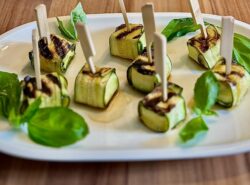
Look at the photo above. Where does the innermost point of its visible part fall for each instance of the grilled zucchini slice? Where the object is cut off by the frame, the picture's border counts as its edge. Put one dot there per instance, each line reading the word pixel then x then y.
pixel 205 52
pixel 127 44
pixel 234 86
pixel 141 74
pixel 160 116
pixel 55 56
pixel 53 93
pixel 96 90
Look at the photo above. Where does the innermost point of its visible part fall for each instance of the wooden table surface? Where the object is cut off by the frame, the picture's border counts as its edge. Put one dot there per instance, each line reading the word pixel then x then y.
pixel 233 170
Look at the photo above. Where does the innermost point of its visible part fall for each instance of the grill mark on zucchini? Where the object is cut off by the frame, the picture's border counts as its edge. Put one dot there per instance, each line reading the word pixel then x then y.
pixel 145 53
pixel 204 43
pixel 137 36
pixel 61 46
pixel 120 27
pixel 140 66
pixel 54 79
pixel 125 33
pixel 44 49
pixel 151 103
pixel 236 73
pixel 30 87
pixel 46 89
pixel 99 73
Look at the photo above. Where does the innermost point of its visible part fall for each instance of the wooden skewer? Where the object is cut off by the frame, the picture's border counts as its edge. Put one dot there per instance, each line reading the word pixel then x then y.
pixel 160 51
pixel 149 26
pixel 42 21
pixel 197 16
pixel 227 41
pixel 124 14
pixel 87 44
pixel 35 39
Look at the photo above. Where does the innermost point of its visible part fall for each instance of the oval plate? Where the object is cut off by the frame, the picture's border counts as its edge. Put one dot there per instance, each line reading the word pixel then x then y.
pixel 116 134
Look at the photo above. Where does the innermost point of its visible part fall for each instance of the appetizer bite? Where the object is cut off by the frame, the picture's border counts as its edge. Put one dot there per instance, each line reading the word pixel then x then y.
pixel 233 86
pixel 141 74
pixel 96 89
pixel 93 86
pixel 55 56
pixel 159 115
pixel 205 47
pixel 127 44
pixel 234 80
pixel 128 40
pixel 164 107
pixel 205 51
pixel 56 53
pixel 52 93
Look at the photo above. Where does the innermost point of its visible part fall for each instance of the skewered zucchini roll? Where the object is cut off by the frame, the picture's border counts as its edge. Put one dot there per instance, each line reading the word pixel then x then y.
pixel 160 116
pixel 96 90
pixel 127 44
pixel 205 51
pixel 55 56
pixel 141 73
pixel 53 93
pixel 234 86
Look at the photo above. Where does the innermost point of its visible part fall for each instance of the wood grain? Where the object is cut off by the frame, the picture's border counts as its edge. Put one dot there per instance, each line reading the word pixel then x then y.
pixel 234 170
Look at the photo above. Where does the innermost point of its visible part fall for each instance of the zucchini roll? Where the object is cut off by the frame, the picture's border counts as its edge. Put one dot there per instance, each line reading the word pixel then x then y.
pixel 96 90
pixel 141 74
pixel 160 116
pixel 53 93
pixel 55 56
pixel 127 44
pixel 234 86
pixel 205 52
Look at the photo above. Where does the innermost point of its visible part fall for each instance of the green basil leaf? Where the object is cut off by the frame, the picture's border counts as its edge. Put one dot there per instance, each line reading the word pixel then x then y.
pixel 206 92
pixel 241 51
pixel 66 31
pixel 57 126
pixel 16 119
pixel 10 91
pixel 68 28
pixel 179 27
pixel 78 15
pixel 192 128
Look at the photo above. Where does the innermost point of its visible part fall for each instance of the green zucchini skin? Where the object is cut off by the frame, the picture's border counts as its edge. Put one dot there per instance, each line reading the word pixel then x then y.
pixel 96 90
pixel 234 86
pixel 55 56
pixel 53 93
pixel 125 44
pixel 205 52
pixel 160 116
pixel 141 74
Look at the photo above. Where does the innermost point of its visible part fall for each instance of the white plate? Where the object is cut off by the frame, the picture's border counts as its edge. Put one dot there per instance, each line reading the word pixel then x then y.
pixel 124 137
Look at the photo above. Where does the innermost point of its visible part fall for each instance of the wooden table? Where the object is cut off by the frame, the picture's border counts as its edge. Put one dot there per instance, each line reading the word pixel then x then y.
pixel 234 170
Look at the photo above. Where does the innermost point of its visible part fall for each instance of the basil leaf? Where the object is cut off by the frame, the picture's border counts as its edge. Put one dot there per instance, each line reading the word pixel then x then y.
pixel 192 128
pixel 179 27
pixel 241 51
pixel 16 119
pixel 57 126
pixel 68 29
pixel 78 15
pixel 10 91
pixel 206 92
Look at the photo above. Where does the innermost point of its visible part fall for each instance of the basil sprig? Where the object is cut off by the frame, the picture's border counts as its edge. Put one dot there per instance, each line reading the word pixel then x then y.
pixel 67 28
